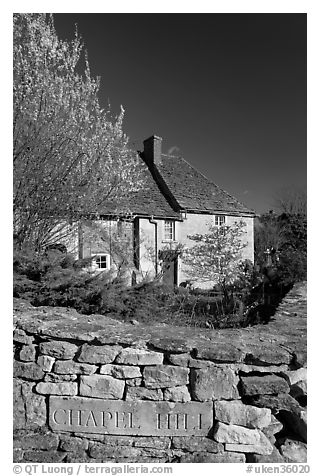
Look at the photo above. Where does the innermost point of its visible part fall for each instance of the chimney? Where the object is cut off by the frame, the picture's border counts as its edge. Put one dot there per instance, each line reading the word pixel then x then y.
pixel 152 150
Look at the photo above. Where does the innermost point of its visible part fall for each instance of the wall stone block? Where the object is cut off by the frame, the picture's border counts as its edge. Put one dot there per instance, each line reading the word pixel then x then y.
pixel 215 384
pixel 101 386
pixel 221 351
pixel 160 376
pixel 172 344
pixel 283 401
pixel 121 371
pixel 36 456
pixel 17 455
pixel 234 434
pixel 28 353
pixel 236 413
pixel 274 457
pixel 79 457
pixel 46 362
pixel 142 393
pixel 264 385
pixel 58 349
pixel 98 450
pixel 29 409
pixel 274 427
pixel 40 440
pixel 27 370
pixel 159 442
pixel 196 443
pixel 51 377
pixel 59 388
pixel 98 354
pixel 134 382
pixel 295 376
pixel 115 440
pixel 177 394
pixel 201 364
pixel 179 359
pixel 71 367
pixel 73 444
pixel 21 337
pixel 293 451
pixel 263 448
pixel 267 354
pixel 131 356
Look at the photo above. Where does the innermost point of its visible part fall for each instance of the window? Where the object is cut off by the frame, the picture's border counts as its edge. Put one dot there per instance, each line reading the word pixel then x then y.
pixel 169 230
pixel 102 261
pixel 219 220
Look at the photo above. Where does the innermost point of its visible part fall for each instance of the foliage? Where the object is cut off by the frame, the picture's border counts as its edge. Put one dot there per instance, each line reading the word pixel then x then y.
pixel 286 236
pixel 217 255
pixel 54 278
pixel 70 155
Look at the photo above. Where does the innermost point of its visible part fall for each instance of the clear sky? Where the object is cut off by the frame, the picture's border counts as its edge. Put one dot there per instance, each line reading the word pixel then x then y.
pixel 225 91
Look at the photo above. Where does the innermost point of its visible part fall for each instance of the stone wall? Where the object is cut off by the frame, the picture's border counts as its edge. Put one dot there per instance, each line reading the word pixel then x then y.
pixel 88 389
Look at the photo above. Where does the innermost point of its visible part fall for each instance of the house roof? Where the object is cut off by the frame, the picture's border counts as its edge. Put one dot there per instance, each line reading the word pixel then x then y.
pixel 173 185
pixel 149 201
pixel 195 192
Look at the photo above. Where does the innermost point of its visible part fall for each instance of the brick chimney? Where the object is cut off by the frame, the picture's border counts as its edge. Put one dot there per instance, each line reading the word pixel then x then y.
pixel 152 150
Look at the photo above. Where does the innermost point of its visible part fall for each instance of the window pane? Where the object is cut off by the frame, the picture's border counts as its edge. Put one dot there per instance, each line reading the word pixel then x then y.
pixel 169 230
pixel 219 220
pixel 222 220
pixel 101 261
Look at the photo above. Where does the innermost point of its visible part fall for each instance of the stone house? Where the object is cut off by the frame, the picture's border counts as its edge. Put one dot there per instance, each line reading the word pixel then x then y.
pixel 176 201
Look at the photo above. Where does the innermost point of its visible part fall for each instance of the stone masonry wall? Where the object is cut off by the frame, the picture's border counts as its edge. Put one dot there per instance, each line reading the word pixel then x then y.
pixel 159 393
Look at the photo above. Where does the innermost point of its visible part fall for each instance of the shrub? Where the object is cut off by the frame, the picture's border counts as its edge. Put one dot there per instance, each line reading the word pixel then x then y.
pixel 57 279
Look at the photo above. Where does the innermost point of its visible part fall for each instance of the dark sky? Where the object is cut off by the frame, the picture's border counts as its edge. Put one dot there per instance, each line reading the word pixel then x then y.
pixel 225 91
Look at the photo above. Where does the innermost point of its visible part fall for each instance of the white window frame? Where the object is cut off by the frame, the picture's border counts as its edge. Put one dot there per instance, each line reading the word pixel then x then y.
pixel 220 220
pixel 97 261
pixel 169 230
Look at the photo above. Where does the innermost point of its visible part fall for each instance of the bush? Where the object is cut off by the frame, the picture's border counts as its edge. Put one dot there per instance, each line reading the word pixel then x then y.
pixel 57 279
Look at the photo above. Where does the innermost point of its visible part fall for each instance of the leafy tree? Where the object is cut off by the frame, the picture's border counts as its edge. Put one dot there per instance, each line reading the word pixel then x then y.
pixel 70 156
pixel 269 234
pixel 286 235
pixel 217 255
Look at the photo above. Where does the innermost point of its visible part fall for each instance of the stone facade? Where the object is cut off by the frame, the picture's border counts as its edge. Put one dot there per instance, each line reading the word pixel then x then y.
pixel 159 394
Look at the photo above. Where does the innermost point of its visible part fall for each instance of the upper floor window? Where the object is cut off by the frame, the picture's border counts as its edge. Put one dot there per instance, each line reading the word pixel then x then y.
pixel 219 220
pixel 169 230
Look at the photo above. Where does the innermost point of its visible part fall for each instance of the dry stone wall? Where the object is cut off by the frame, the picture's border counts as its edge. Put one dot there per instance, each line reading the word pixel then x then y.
pixel 89 389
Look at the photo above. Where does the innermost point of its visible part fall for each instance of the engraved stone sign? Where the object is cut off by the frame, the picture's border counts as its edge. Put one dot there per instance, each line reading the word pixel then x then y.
pixel 117 417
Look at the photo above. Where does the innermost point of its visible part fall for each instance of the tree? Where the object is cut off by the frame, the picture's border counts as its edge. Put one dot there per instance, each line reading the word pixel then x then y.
pixel 286 234
pixel 70 156
pixel 291 200
pixel 217 255
pixel 269 234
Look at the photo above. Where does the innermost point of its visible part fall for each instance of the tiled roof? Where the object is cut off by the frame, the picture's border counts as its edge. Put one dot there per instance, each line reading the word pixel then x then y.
pixel 193 191
pixel 148 201
pixel 175 185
